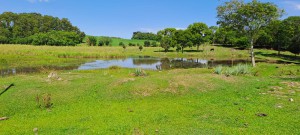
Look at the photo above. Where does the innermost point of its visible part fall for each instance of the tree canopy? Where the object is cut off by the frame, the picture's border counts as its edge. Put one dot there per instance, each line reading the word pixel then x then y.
pixel 247 18
pixel 18 28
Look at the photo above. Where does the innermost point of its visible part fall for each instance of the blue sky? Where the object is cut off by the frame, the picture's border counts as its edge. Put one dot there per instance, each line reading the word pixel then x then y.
pixel 122 17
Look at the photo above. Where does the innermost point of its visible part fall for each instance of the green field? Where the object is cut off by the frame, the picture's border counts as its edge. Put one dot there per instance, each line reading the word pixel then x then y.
pixel 116 41
pixel 179 101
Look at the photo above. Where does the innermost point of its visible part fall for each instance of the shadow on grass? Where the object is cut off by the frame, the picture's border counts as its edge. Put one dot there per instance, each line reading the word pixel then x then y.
pixel 292 58
pixel 180 51
pixel 296 79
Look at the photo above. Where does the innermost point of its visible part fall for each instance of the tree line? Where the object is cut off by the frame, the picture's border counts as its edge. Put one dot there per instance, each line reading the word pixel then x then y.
pixel 245 25
pixel 37 29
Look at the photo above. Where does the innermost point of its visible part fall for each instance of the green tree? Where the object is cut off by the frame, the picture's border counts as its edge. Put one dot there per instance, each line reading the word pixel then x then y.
pixel 183 38
pixel 121 44
pixel 147 43
pixel 200 33
pixel 288 31
pixel 295 46
pixel 91 40
pixel 141 47
pixel 154 44
pixel 248 18
pixel 166 38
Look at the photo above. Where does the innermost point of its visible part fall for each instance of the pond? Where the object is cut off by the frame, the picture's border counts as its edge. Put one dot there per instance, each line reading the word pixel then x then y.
pixel 153 63
pixel 144 62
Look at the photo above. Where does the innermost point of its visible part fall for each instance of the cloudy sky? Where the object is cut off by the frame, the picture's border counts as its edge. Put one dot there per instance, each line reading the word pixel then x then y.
pixel 120 18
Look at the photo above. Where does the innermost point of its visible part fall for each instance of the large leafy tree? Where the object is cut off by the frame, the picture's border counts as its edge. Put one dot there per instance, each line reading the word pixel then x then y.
pixel 21 28
pixel 288 33
pixel 248 18
pixel 166 38
pixel 183 39
pixel 200 32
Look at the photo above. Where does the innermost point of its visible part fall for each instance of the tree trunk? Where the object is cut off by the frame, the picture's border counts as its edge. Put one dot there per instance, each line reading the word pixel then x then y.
pixel 252 53
pixel 198 47
pixel 181 49
pixel 278 49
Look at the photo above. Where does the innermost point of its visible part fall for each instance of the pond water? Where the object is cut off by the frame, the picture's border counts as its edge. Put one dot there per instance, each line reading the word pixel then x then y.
pixel 143 62
pixel 158 63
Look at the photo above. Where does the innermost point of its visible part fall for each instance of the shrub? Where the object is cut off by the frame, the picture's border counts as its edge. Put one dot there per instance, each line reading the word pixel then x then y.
pixel 141 48
pixel 44 101
pixel 91 41
pixel 114 67
pixel 121 44
pixel 154 44
pixel 147 43
pixel 240 69
pixel 101 43
pixel 218 70
pixel 139 72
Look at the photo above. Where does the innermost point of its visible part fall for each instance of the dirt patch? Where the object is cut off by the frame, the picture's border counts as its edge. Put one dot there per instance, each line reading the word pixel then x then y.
pixel 286 89
pixel 123 81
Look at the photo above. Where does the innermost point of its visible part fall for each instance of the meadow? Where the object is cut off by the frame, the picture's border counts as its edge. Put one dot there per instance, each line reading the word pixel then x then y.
pixel 178 101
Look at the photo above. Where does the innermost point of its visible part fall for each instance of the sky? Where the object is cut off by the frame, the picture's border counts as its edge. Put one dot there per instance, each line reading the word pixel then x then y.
pixel 120 18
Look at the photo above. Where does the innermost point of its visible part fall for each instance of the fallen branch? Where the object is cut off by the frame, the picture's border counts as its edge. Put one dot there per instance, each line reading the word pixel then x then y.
pixel 4 118
pixel 7 88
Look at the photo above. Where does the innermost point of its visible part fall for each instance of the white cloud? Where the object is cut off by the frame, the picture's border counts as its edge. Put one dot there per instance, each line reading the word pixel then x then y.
pixel 149 30
pixel 293 4
pixel 298 6
pixel 34 1
pixel 180 28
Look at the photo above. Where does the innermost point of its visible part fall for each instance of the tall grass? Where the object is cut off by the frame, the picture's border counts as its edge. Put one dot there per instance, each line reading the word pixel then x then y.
pixel 240 69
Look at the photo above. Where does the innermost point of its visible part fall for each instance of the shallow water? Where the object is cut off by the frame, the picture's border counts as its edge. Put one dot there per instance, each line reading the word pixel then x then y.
pixel 143 62
pixel 158 63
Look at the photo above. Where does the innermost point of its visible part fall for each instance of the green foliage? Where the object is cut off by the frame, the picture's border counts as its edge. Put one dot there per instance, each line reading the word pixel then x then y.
pixel 91 40
pixel 53 38
pixel 295 46
pixel 242 42
pixel 218 69
pixel 106 40
pixel 147 43
pixel 144 36
pixel 240 69
pixel 153 44
pixel 183 38
pixel 124 46
pixel 139 72
pixel 114 67
pixel 200 32
pixel 101 43
pixel 121 44
pixel 141 47
pixel 28 28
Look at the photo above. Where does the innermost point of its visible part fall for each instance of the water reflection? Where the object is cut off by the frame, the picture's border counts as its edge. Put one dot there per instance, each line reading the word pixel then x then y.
pixel 134 62
pixel 158 63
pixel 28 70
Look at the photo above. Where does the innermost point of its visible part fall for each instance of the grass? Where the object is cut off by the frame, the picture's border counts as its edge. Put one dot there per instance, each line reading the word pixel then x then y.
pixel 33 56
pixel 116 41
pixel 180 101
pixel 115 101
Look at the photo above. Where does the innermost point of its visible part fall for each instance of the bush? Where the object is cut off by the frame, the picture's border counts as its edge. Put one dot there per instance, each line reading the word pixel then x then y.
pixel 141 48
pixel 218 70
pixel 147 43
pixel 154 44
pixel 91 41
pixel 101 43
pixel 121 44
pixel 140 72
pixel 114 67
pixel 240 69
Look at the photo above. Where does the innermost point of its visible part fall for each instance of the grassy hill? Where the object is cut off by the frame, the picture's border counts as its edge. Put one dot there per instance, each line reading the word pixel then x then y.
pixel 117 40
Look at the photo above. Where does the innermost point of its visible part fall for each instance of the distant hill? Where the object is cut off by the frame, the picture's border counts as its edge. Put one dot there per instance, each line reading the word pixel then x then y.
pixel 117 40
